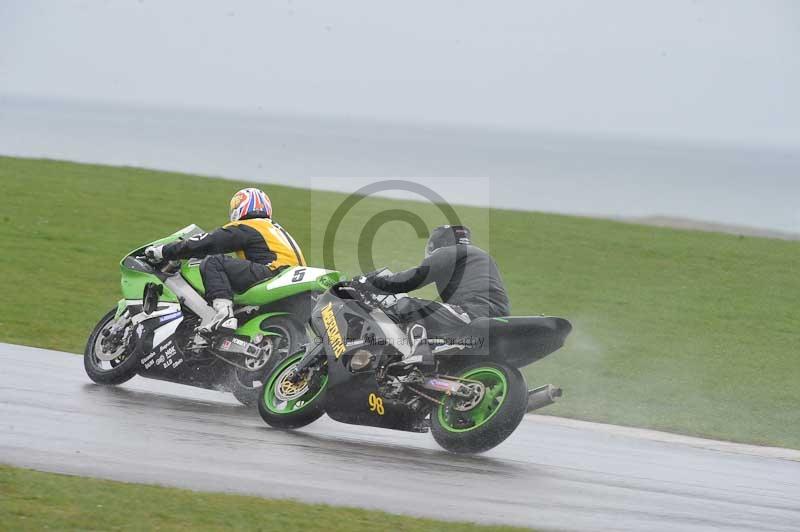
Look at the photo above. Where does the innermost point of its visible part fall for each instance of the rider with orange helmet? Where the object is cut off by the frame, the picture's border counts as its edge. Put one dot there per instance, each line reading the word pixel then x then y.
pixel 262 248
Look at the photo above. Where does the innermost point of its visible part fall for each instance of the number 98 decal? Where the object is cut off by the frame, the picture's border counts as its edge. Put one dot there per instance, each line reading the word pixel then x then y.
pixel 376 404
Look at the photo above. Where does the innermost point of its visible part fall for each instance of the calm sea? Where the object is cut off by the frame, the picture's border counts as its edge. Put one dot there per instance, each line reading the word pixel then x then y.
pixel 501 168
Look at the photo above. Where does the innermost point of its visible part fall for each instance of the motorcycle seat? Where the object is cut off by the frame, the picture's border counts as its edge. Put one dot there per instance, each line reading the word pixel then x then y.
pixel 516 338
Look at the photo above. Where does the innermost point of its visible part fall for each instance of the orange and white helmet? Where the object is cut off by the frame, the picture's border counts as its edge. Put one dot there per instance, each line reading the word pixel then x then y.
pixel 250 203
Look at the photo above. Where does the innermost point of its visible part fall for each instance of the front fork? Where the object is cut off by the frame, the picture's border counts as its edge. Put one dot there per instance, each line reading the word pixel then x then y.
pixel 312 356
pixel 117 333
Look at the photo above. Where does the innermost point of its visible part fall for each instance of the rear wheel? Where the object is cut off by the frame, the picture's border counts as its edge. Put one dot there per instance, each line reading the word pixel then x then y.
pixel 107 361
pixel 282 337
pixel 476 425
pixel 286 404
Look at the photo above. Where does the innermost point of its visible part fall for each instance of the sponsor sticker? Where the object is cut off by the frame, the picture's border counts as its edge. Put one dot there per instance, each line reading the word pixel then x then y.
pixel 332 330
pixel 376 404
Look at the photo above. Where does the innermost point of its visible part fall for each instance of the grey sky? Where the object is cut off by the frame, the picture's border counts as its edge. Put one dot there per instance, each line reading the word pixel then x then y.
pixel 726 70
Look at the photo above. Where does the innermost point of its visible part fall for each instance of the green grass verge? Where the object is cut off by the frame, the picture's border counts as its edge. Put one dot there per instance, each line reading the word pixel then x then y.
pixel 31 500
pixel 675 330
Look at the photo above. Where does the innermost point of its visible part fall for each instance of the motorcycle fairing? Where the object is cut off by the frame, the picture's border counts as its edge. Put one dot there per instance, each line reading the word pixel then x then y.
pixel 170 364
pixel 352 400
pixel 352 395
pixel 160 356
pixel 155 329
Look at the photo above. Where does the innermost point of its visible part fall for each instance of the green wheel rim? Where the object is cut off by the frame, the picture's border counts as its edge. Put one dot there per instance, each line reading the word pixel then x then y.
pixel 282 408
pixel 496 390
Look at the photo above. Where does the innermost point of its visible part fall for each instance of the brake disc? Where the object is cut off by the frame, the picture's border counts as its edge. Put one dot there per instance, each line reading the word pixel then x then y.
pixel 286 390
pixel 100 350
pixel 478 393
pixel 256 363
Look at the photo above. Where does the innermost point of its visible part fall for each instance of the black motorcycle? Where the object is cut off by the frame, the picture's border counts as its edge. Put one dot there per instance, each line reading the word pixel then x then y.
pixel 366 369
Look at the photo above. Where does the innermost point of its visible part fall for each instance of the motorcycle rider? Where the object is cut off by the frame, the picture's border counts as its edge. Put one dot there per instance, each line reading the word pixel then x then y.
pixel 466 277
pixel 262 246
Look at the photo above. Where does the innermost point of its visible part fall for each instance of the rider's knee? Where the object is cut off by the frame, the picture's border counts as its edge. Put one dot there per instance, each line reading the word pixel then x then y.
pixel 210 261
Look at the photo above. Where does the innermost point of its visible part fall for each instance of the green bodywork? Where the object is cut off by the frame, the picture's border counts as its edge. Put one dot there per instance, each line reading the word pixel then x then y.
pixel 264 293
pixel 253 327
pixel 133 282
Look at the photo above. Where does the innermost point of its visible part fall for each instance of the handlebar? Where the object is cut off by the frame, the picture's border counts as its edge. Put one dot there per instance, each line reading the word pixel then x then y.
pixel 346 287
pixel 361 293
pixel 164 266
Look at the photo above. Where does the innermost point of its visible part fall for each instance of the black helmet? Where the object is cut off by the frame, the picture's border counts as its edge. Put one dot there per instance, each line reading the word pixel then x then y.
pixel 448 235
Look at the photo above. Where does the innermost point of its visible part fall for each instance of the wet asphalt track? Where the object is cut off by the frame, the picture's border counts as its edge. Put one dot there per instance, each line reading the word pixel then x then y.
pixel 549 476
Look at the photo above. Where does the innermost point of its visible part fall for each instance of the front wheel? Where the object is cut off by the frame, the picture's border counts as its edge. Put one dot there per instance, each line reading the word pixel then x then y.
pixel 485 421
pixel 108 364
pixel 286 404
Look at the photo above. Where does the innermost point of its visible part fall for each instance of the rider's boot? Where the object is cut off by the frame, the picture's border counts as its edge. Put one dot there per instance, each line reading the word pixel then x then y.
pixel 223 321
pixel 420 348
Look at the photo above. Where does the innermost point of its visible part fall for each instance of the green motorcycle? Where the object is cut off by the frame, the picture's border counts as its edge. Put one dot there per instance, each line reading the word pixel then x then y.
pixel 152 331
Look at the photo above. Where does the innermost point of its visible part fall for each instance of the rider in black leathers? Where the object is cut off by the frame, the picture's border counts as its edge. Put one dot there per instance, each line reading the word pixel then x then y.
pixel 467 279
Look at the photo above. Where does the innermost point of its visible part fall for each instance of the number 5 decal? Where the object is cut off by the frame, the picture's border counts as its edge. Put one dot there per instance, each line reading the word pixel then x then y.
pixel 376 404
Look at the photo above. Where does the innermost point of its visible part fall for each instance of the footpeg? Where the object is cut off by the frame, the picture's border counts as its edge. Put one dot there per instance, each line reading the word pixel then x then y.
pixel 229 325
pixel 237 346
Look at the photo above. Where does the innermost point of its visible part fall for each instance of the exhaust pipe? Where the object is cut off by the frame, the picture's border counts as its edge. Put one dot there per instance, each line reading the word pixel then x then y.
pixel 543 396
